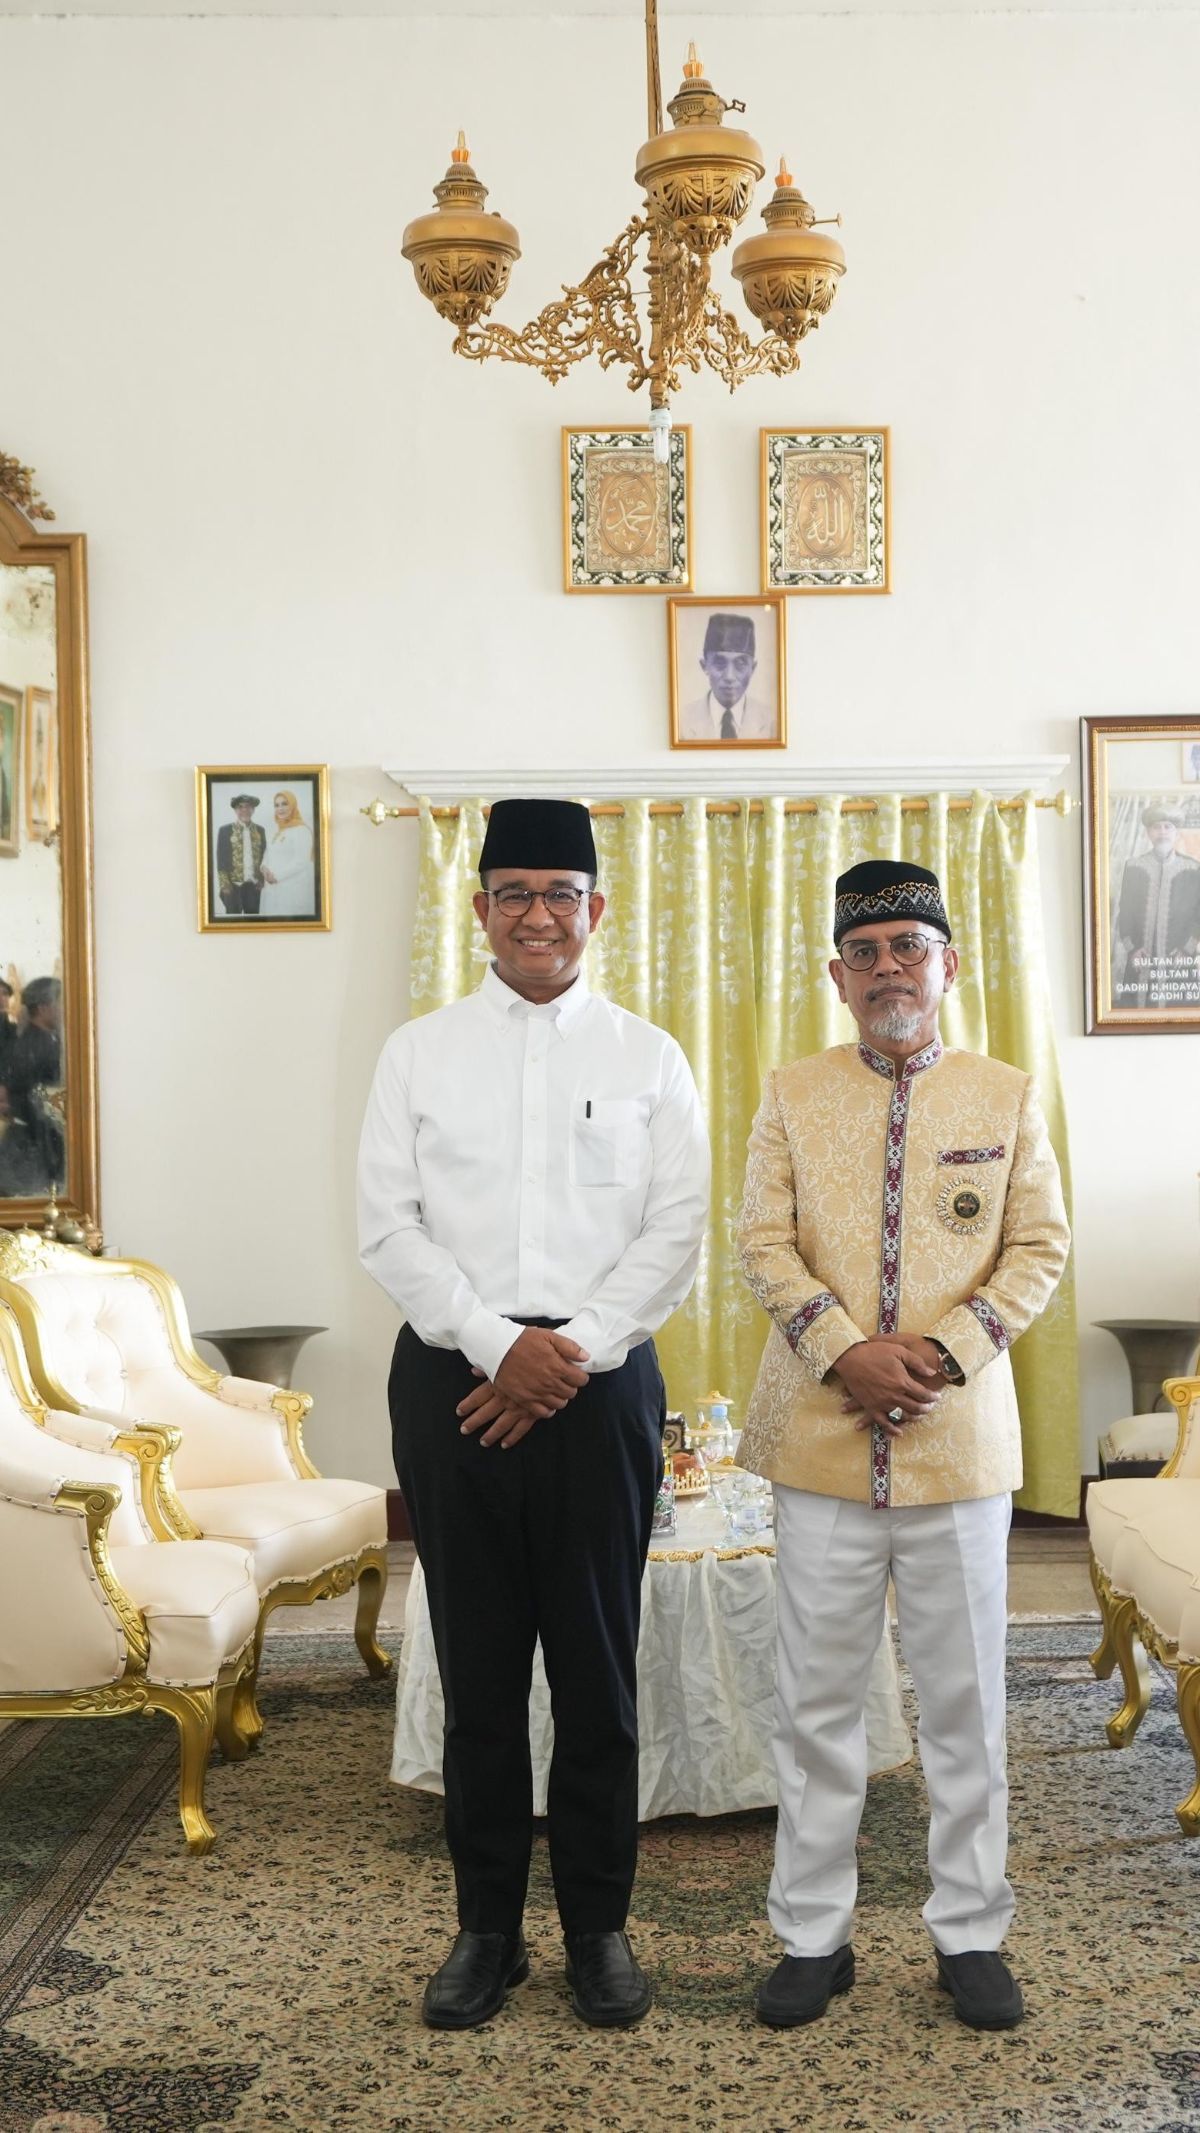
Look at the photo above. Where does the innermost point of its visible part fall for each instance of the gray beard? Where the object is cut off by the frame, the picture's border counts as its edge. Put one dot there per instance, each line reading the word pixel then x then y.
pixel 896 1025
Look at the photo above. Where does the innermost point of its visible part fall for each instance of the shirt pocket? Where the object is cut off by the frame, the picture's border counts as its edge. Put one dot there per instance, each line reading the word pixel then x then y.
pixel 968 1188
pixel 608 1135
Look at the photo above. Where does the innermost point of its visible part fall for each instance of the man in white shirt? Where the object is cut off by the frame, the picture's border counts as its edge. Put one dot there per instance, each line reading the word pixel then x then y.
pixel 533 1190
pixel 728 712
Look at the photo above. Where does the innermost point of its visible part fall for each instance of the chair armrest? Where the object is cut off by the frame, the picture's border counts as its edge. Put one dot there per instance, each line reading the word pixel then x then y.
pixel 1184 1462
pixel 82 1631
pixel 89 1429
pixel 152 1445
pixel 292 1407
pixel 247 1392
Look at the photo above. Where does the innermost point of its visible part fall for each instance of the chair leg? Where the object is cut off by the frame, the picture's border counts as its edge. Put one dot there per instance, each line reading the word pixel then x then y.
pixel 195 1713
pixel 1135 1674
pixel 246 1715
pixel 235 1745
pixel 372 1584
pixel 1104 1658
pixel 1187 1691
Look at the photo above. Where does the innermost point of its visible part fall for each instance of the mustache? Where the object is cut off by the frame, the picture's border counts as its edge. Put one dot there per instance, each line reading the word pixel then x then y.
pixel 892 991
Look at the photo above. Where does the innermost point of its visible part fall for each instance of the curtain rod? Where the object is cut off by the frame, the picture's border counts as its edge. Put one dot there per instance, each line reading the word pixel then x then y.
pixel 1062 803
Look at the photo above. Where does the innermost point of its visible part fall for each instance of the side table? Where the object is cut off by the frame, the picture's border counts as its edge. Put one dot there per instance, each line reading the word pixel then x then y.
pixel 267 1353
pixel 1154 1348
pixel 706 1683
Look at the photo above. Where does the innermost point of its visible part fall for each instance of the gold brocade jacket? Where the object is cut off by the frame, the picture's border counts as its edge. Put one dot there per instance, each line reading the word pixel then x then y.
pixel 929 1205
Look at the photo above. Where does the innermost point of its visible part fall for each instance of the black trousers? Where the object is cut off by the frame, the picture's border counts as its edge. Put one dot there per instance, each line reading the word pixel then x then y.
pixel 548 1539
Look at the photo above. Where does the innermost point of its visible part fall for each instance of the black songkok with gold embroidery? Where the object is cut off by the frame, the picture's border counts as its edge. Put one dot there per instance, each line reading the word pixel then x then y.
pixel 882 889
pixel 547 836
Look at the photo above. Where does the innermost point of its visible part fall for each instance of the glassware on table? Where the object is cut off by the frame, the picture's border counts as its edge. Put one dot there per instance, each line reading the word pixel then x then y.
pixel 663 1521
pixel 747 1503
pixel 711 1435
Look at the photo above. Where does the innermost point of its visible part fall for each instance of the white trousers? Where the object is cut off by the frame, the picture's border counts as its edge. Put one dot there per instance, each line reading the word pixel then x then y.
pixel 949 1565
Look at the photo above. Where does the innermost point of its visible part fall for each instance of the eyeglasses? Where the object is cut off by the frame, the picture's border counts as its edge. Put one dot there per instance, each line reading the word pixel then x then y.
pixel 908 949
pixel 559 902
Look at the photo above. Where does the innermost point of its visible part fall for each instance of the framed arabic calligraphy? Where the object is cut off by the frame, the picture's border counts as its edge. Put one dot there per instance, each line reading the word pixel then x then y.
pixel 627 523
pixel 825 511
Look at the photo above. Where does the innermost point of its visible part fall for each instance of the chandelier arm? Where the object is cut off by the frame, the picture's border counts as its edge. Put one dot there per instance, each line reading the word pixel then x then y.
pixel 597 316
pixel 723 345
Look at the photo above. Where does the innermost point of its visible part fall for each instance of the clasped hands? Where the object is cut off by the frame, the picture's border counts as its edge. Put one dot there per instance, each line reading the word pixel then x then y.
pixel 537 1378
pixel 889 1371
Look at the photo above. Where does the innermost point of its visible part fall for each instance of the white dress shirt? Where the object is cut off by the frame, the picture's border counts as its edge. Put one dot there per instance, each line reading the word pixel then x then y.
pixel 752 720
pixel 522 1161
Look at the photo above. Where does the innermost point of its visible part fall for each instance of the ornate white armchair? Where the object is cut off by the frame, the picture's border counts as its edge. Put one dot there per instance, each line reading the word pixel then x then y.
pixel 1145 1566
pixel 100 1616
pixel 109 1338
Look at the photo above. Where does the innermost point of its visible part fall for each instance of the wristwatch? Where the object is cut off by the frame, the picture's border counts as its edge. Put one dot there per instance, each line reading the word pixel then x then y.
pixel 950 1369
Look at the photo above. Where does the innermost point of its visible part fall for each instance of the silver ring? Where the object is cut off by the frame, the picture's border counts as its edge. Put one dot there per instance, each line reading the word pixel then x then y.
pixel 895 1414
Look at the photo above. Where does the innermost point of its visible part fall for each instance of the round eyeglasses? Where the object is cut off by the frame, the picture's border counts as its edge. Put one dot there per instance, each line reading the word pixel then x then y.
pixel 908 949
pixel 560 902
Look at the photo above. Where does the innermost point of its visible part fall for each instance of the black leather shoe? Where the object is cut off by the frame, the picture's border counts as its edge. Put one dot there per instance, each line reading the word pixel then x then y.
pixel 608 1989
pixel 801 1988
pixel 986 1995
pixel 474 1980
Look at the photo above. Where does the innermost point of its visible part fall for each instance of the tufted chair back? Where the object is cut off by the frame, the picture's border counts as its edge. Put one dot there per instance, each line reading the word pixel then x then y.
pixel 104 1336
pixel 22 1435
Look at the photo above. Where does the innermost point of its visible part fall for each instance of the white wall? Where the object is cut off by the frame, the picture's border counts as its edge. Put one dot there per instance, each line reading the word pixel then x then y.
pixel 313 536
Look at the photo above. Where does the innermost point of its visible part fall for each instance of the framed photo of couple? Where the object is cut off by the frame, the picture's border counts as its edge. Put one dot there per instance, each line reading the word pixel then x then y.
pixel 262 848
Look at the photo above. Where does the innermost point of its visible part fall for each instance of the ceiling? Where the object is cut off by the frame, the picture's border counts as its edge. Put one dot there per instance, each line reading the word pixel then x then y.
pixel 577 10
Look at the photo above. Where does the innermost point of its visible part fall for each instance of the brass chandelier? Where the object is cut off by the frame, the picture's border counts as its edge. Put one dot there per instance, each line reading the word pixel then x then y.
pixel 698 178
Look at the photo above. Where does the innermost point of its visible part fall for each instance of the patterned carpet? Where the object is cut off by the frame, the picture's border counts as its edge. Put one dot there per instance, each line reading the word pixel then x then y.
pixel 276 1983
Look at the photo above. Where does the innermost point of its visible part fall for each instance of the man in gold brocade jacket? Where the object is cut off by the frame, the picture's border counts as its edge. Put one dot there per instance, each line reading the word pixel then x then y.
pixel 903 1224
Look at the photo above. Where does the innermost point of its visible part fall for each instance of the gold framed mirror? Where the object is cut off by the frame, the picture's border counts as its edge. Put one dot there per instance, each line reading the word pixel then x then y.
pixel 49 1157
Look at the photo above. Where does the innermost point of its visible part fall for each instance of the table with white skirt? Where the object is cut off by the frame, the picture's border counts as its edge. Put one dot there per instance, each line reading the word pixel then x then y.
pixel 706 1682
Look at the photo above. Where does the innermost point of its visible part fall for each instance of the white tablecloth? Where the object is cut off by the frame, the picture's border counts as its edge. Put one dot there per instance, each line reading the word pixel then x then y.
pixel 706 1683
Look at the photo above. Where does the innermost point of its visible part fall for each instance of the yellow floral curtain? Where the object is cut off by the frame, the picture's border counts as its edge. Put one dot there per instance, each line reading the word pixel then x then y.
pixel 717 928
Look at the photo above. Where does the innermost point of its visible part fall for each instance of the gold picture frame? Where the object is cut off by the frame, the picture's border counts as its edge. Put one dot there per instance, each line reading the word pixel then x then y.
pixel 723 639
pixel 41 764
pixel 240 891
pixel 1141 843
pixel 627 522
pixel 825 506
pixel 47 570
pixel 12 725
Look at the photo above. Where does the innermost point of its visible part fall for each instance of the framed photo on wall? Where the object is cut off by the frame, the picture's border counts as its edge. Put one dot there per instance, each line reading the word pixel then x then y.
pixel 12 716
pixel 262 848
pixel 825 511
pixel 627 523
pixel 728 671
pixel 41 765
pixel 1141 818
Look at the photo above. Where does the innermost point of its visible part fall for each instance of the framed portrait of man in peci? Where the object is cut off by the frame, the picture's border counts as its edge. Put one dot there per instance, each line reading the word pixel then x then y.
pixel 728 671
pixel 1141 875
pixel 262 848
